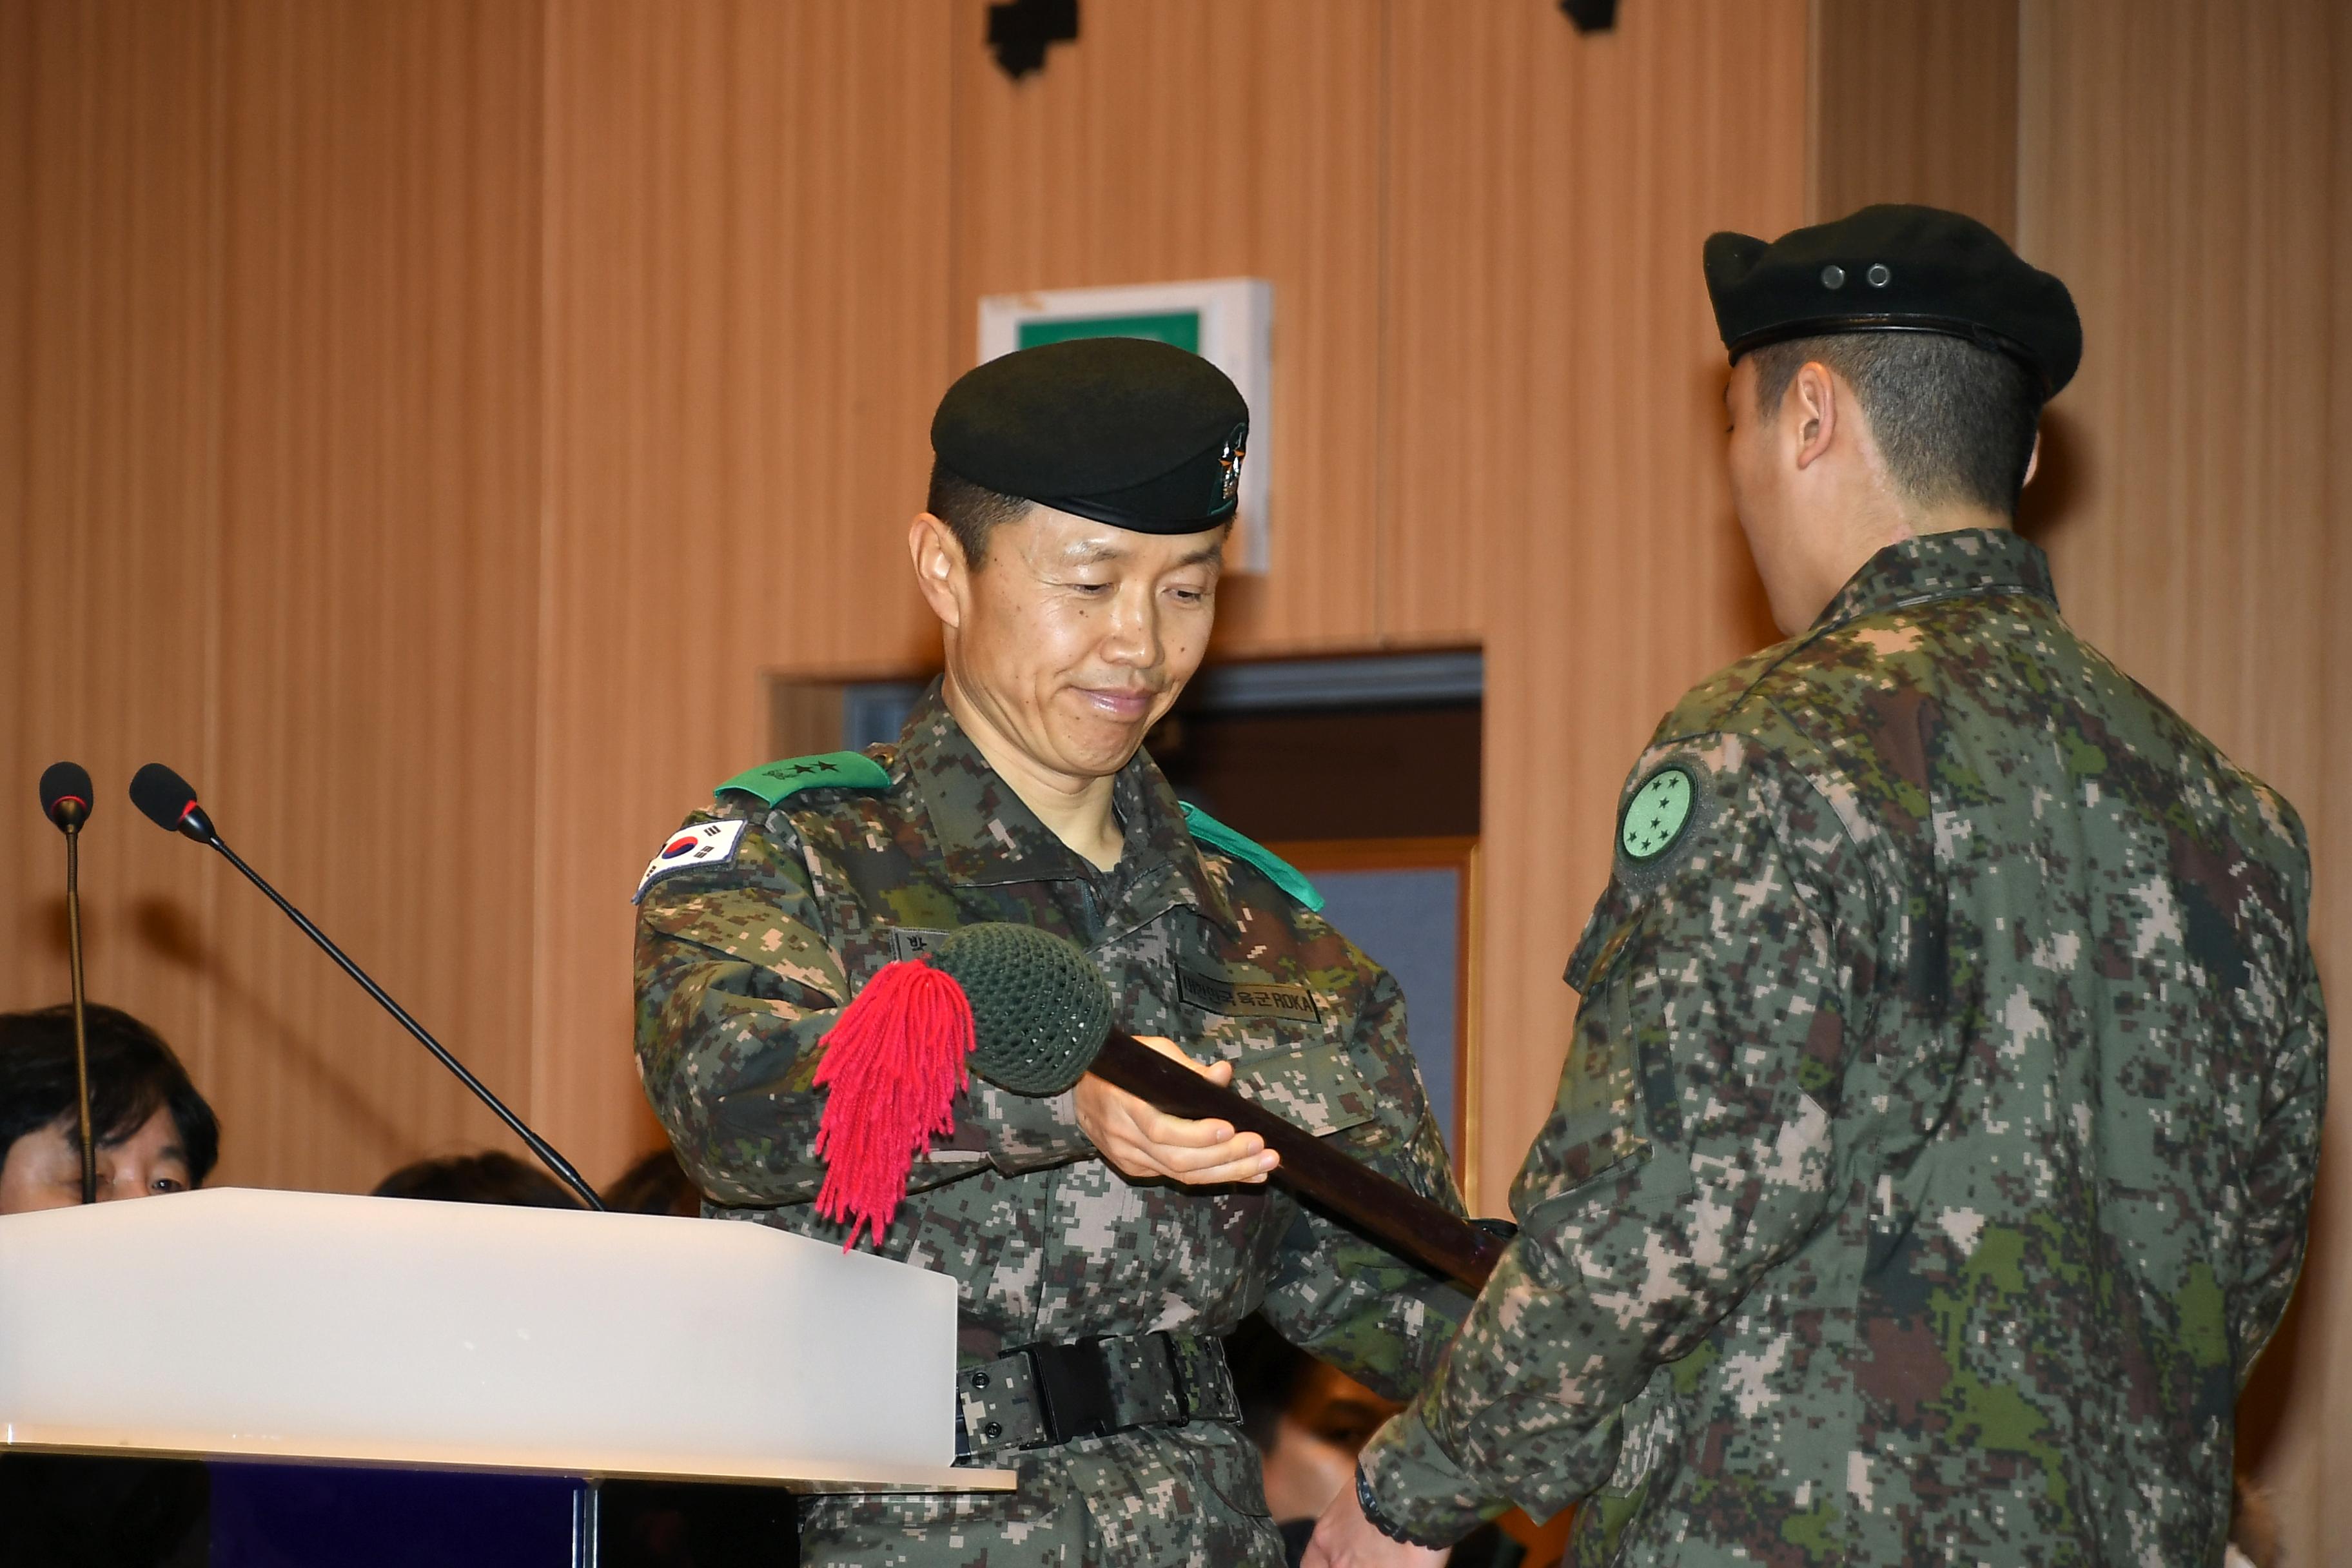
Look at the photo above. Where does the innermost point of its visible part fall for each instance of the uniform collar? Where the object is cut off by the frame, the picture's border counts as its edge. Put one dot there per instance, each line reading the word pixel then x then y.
pixel 988 837
pixel 1969 560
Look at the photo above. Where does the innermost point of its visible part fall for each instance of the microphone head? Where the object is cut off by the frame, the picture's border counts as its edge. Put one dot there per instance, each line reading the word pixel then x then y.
pixel 65 794
pixel 169 802
pixel 1040 1011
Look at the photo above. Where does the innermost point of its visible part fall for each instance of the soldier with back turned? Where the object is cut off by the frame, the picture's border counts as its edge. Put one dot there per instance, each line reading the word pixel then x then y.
pixel 1071 550
pixel 1935 1151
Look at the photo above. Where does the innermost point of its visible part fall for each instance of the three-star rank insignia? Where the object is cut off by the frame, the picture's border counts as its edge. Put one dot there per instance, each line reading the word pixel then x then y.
pixel 1657 816
pixel 1230 459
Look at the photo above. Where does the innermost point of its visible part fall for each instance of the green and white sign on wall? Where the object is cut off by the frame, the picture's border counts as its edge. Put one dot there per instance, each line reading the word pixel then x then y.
pixel 1229 321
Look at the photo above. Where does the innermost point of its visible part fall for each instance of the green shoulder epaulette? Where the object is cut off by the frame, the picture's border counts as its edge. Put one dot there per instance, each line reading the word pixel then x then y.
pixel 771 782
pixel 1279 871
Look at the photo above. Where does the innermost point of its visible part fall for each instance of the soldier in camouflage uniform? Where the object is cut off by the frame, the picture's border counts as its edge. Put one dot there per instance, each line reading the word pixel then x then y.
pixel 780 900
pixel 1936 1145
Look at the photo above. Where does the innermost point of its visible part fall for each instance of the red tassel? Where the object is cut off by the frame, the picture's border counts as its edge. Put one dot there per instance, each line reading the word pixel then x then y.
pixel 894 1061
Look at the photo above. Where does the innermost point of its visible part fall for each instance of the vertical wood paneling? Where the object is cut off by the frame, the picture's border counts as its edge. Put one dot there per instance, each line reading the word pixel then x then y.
pixel 1916 103
pixel 110 191
pixel 2188 169
pixel 377 572
pixel 1553 461
pixel 2313 1458
pixel 747 309
pixel 275 387
pixel 1216 139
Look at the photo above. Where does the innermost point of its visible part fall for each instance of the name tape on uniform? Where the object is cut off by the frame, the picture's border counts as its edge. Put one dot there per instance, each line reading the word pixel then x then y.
pixel 914 941
pixel 692 848
pixel 1246 999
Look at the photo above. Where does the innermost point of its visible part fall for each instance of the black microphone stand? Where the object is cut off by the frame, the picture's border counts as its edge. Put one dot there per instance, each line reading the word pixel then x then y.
pixel 64 801
pixel 538 1145
pixel 80 1007
pixel 164 798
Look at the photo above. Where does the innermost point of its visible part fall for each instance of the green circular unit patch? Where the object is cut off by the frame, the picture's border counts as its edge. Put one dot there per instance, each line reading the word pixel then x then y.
pixel 1657 815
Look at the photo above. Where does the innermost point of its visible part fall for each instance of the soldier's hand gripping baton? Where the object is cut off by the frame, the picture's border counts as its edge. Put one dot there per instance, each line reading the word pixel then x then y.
pixel 1039 1019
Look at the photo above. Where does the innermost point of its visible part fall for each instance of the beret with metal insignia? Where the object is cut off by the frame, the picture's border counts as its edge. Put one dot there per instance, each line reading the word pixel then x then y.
pixel 1129 431
pixel 1894 269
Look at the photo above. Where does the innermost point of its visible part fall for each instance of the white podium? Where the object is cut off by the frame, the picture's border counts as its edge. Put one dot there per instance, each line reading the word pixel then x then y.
pixel 392 1331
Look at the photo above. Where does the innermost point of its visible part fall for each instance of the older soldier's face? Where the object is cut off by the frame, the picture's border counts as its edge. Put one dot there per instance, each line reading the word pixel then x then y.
pixel 1073 637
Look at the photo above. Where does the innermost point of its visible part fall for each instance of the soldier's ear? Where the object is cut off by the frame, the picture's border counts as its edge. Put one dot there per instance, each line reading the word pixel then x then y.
pixel 941 572
pixel 1812 399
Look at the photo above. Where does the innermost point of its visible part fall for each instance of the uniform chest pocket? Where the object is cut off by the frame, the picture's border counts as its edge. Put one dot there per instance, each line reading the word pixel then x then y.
pixel 1234 1020
pixel 1316 1086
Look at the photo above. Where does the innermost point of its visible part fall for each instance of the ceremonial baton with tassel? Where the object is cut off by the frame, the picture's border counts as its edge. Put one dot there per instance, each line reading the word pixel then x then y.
pixel 1025 1010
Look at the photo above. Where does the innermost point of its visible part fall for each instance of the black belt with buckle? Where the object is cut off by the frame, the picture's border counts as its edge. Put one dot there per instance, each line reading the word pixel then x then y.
pixel 1043 1394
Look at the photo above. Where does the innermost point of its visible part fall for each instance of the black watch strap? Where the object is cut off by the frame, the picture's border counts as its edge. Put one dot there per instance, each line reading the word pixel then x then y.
pixel 1380 1521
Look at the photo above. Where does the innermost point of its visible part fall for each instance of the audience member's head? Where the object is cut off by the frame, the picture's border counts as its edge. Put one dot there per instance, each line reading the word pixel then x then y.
pixel 655 1184
pixel 153 1131
pixel 1308 1419
pixel 489 1177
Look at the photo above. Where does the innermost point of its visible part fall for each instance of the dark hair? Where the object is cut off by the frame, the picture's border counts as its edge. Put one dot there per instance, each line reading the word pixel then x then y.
pixel 133 1074
pixel 970 511
pixel 1954 421
pixel 488 1177
pixel 654 1184
pixel 1267 1370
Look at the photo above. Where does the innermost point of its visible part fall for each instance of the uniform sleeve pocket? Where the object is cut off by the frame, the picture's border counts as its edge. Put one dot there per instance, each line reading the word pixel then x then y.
pixel 1605 932
pixel 1318 1087
pixel 1599 1119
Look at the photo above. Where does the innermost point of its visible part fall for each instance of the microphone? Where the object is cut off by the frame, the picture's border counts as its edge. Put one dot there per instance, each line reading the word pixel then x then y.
pixel 65 795
pixel 169 802
pixel 1041 1019
pixel 65 800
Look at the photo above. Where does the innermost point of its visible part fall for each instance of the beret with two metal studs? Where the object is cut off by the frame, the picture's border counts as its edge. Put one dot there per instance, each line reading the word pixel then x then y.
pixel 1895 268
pixel 1129 431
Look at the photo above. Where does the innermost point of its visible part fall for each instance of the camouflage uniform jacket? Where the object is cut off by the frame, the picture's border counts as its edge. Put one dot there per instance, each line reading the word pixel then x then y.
pixel 1935 1143
pixel 742 968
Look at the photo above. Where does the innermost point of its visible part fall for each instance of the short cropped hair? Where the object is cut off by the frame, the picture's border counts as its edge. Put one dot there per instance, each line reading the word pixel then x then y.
pixel 133 1074
pixel 970 511
pixel 1954 421
pixel 655 1184
pixel 489 1177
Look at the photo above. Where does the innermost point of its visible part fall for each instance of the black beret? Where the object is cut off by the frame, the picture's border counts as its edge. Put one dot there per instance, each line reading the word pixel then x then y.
pixel 1893 270
pixel 1129 431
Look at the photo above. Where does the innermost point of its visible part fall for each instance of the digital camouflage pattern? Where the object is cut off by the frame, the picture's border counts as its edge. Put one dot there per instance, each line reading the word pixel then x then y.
pixel 741 970
pixel 1937 1141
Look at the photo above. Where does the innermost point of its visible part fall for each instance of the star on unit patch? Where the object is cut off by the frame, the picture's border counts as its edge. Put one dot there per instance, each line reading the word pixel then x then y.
pixel 1657 815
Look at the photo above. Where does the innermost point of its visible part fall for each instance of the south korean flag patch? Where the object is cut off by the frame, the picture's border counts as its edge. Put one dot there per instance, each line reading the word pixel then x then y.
pixel 695 848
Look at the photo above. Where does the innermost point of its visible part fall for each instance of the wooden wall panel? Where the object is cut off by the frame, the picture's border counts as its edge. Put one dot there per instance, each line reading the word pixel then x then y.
pixel 1553 468
pixel 275 277
pixel 377 572
pixel 2188 169
pixel 1208 140
pixel 111 184
pixel 1916 103
pixel 747 325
